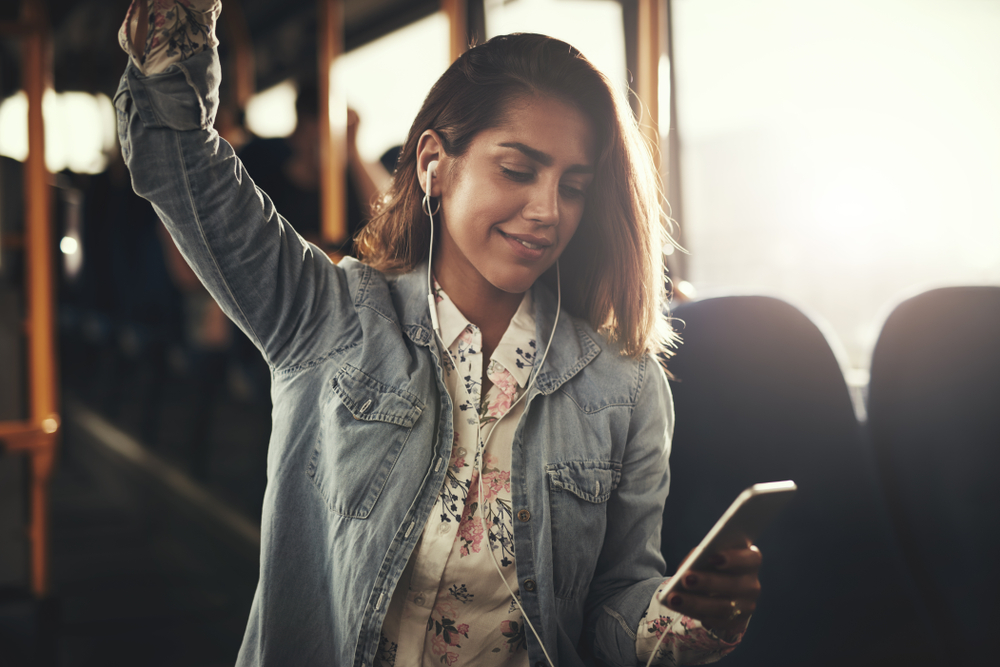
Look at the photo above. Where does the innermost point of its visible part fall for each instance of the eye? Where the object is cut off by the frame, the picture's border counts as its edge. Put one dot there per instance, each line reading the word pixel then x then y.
pixel 518 176
pixel 572 192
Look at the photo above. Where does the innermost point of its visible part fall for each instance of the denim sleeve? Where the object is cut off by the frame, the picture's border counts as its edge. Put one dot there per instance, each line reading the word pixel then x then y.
pixel 281 291
pixel 631 566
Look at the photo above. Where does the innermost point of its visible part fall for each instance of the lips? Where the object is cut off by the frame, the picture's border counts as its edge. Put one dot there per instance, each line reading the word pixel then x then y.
pixel 529 241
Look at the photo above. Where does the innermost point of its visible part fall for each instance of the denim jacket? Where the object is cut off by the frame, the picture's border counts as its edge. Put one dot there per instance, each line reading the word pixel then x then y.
pixel 362 423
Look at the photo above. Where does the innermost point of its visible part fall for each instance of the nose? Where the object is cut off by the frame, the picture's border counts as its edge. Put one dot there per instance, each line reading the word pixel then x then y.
pixel 543 203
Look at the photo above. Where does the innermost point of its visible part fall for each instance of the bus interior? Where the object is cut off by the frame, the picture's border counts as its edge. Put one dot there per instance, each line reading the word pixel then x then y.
pixel 830 178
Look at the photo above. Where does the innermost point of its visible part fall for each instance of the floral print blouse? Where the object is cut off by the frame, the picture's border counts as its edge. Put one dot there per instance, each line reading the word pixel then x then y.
pixel 449 607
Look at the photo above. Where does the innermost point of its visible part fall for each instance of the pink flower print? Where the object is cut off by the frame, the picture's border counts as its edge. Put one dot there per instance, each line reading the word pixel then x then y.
pixel 470 531
pixel 659 626
pixel 438 645
pixel 446 609
pixel 697 639
pixel 507 627
pixel 468 336
pixel 451 658
pixel 504 381
pixel 463 628
pixel 494 481
pixel 500 406
pixel 688 623
pixel 472 499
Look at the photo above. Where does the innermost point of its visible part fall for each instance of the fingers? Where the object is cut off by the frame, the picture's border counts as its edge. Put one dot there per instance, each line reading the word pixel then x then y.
pixel 724 596
pixel 736 560
pixel 722 585
pixel 715 613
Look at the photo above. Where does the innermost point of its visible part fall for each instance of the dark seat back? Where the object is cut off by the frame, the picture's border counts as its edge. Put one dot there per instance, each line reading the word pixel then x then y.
pixel 760 397
pixel 934 418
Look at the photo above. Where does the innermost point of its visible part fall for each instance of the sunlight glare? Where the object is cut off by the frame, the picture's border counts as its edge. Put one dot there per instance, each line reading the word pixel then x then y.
pixel 271 113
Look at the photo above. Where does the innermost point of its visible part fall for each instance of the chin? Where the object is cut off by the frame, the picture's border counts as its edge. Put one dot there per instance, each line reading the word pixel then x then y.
pixel 514 284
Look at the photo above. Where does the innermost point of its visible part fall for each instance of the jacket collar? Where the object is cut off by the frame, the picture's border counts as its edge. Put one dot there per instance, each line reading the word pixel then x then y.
pixel 574 344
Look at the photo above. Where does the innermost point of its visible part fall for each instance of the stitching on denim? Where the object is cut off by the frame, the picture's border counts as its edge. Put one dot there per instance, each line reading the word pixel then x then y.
pixel 640 380
pixel 304 365
pixel 585 411
pixel 381 314
pixel 211 251
pixel 621 621
pixel 409 396
pixel 548 384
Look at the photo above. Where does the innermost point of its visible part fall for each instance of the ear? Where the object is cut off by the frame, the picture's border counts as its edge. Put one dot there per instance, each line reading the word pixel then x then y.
pixel 430 149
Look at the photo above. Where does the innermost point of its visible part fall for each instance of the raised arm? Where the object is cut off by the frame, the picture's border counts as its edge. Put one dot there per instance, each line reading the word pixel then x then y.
pixel 278 289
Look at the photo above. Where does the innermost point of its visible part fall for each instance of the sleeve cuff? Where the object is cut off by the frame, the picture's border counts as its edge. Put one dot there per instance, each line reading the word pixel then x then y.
pixel 685 640
pixel 178 30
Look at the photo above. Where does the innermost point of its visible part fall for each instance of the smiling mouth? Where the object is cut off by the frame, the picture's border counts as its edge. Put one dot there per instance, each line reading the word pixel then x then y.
pixel 527 244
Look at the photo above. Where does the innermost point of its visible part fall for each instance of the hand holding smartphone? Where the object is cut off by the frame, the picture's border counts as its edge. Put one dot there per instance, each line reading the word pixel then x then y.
pixel 739 526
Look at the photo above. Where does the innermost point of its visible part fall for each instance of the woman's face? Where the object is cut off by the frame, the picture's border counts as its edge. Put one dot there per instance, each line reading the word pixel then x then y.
pixel 511 204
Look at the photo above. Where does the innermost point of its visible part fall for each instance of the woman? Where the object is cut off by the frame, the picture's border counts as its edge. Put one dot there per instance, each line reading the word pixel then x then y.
pixel 467 466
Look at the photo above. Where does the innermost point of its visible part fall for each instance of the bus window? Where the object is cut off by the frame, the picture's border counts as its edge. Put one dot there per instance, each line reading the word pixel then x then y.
pixel 386 81
pixel 593 26
pixel 837 153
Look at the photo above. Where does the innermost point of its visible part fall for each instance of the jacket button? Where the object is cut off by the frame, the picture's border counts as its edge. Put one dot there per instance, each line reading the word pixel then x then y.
pixel 529 585
pixel 524 515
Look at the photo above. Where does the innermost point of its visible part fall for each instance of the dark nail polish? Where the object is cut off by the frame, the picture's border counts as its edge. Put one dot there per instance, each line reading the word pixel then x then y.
pixel 676 601
pixel 691 581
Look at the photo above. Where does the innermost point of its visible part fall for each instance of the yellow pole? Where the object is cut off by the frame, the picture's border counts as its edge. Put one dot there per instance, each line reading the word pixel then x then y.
pixel 43 392
pixel 458 34
pixel 332 124
pixel 649 48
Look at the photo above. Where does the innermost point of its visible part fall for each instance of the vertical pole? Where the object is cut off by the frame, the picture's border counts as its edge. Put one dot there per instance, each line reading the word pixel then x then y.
pixel 43 391
pixel 648 62
pixel 672 163
pixel 243 63
pixel 332 124
pixel 458 33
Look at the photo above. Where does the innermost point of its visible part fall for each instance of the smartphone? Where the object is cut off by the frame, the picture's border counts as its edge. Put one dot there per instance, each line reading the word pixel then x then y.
pixel 745 519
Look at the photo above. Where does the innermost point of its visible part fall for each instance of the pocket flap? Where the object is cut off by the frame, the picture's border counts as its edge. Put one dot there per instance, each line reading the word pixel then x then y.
pixel 367 399
pixel 592 481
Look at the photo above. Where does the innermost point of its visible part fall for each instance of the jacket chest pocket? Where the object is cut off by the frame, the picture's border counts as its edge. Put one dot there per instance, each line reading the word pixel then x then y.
pixel 365 426
pixel 578 497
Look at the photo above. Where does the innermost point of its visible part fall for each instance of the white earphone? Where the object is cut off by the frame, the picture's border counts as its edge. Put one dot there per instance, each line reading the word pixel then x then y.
pixel 426 203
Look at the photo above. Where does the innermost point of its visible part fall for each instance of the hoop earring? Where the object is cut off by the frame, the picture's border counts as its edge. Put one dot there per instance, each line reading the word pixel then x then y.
pixel 425 204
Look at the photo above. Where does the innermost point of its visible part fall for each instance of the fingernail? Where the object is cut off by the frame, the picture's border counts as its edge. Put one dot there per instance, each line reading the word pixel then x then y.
pixel 676 601
pixel 691 581
pixel 716 560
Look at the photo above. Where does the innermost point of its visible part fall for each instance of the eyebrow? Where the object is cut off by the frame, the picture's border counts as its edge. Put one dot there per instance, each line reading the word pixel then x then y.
pixel 544 158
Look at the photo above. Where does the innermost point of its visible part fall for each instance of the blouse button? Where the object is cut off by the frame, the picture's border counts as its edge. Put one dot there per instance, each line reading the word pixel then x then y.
pixel 524 515
pixel 529 585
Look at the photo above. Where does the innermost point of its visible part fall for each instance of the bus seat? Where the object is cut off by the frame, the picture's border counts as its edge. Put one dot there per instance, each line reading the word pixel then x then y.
pixel 760 396
pixel 934 419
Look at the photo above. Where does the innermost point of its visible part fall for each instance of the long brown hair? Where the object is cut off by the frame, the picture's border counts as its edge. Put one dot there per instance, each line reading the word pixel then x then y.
pixel 613 272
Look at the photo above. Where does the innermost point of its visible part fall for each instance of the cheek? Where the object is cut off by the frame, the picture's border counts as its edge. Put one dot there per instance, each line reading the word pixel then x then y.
pixel 573 222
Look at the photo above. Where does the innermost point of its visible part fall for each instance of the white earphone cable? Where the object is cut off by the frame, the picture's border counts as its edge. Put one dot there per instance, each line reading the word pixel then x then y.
pixel 481 446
